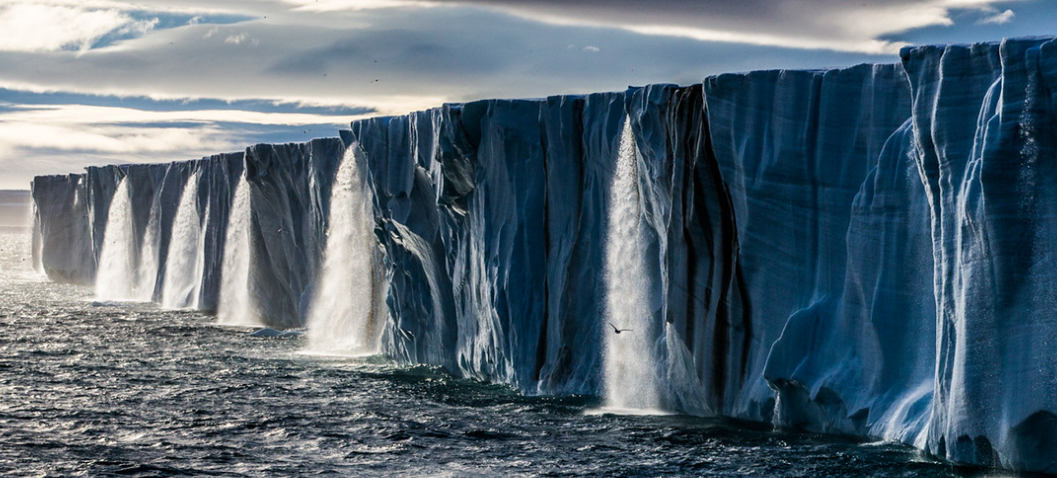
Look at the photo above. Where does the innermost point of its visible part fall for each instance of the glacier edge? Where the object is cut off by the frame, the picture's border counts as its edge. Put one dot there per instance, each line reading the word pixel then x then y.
pixel 862 250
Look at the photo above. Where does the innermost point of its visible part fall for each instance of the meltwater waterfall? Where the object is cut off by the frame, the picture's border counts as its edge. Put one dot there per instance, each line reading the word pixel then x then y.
pixel 37 252
pixel 631 372
pixel 127 271
pixel 147 275
pixel 185 261
pixel 342 319
pixel 117 278
pixel 236 304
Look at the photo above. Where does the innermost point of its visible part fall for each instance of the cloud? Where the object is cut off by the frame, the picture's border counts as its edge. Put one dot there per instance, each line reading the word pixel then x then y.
pixel 185 92
pixel 238 39
pixel 999 18
pixel 354 5
pixel 109 130
pixel 42 27
pixel 50 135
pixel 386 57
pixel 838 25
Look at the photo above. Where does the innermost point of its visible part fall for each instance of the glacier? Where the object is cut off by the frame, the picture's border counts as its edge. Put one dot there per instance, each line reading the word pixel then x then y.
pixel 864 251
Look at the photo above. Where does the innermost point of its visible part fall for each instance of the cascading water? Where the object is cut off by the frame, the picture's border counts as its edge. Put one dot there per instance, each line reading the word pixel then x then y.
pixel 147 275
pixel 37 251
pixel 184 262
pixel 342 318
pixel 116 276
pixel 237 306
pixel 631 373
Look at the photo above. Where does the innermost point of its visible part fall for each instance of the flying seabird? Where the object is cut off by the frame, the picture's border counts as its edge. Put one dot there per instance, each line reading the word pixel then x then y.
pixel 616 330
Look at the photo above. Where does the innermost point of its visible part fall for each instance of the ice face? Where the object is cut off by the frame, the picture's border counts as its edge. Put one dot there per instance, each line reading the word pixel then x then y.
pixel 864 250
pixel 984 121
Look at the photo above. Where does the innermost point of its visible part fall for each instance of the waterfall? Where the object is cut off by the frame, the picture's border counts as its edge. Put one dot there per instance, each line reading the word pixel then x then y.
pixel 37 251
pixel 127 272
pixel 237 306
pixel 116 276
pixel 184 262
pixel 147 273
pixel 342 318
pixel 631 374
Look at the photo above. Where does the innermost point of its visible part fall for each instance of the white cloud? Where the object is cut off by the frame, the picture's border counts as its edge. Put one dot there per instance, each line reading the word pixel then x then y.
pixel 109 139
pixel 239 39
pixel 354 5
pixel 92 116
pixel 43 27
pixel 104 135
pixel 869 46
pixel 592 49
pixel 836 25
pixel 999 18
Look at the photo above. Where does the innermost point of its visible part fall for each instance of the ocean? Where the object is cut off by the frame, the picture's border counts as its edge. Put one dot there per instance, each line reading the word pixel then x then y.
pixel 131 389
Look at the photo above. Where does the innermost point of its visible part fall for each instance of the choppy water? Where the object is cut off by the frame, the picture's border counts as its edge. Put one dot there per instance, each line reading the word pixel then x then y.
pixel 102 390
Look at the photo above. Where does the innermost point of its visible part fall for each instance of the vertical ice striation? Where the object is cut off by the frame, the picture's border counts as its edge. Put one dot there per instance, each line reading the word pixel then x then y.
pixel 237 304
pixel 632 376
pixel 985 120
pixel 794 148
pixel 290 185
pixel 184 262
pixel 65 233
pixel 342 318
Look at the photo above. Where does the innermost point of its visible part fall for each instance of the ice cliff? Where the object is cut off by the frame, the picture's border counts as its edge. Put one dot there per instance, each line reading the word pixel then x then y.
pixel 864 250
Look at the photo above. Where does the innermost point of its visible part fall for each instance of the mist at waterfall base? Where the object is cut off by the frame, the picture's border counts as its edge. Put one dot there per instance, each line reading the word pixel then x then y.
pixel 133 389
pixel 342 317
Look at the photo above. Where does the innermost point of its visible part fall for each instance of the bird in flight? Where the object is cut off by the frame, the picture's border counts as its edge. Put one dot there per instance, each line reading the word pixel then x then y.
pixel 616 330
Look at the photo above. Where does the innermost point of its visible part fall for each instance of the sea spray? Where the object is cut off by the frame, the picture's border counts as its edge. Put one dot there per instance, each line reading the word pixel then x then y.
pixel 183 262
pixel 342 318
pixel 631 379
pixel 237 305
pixel 115 279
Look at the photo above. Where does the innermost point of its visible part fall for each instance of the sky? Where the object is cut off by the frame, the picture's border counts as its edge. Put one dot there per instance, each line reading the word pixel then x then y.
pixel 91 82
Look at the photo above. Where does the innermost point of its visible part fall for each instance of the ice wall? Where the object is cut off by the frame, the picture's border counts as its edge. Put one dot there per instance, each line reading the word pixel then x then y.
pixel 289 199
pixel 794 150
pixel 862 250
pixel 62 235
pixel 985 123
pixel 72 213
pixel 493 216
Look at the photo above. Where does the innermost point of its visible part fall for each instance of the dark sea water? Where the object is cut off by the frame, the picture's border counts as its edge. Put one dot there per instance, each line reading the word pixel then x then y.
pixel 131 390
